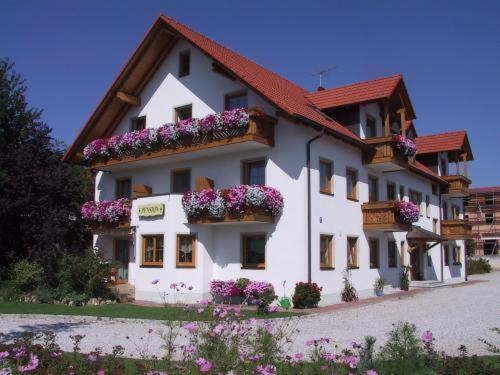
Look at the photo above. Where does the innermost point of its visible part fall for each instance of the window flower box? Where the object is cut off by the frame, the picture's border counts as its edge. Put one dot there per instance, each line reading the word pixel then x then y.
pixel 389 216
pixel 107 214
pixel 390 153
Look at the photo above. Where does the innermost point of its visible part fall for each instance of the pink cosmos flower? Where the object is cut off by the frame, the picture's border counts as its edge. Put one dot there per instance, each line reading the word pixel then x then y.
pixel 268 327
pixel 3 355
pixel 427 337
pixel 351 361
pixel 92 357
pixel 101 372
pixel 299 356
pixel 265 370
pixel 32 364
pixel 329 357
pixel 155 281
pixel 371 372
pixel 56 354
pixel 191 327
pixel 217 330
pixel 19 352
pixel 173 286
pixel 204 365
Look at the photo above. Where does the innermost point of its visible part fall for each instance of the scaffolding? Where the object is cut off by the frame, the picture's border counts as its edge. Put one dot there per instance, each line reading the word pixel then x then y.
pixel 485 239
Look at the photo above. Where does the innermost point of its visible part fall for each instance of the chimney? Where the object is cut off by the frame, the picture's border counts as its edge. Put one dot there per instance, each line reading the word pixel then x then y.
pixel 320 88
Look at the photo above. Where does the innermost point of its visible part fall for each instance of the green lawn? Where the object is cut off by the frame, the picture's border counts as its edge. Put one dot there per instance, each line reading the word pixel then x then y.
pixel 122 311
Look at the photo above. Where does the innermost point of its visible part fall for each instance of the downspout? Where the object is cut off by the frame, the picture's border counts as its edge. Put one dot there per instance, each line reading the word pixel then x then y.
pixel 441 234
pixel 308 165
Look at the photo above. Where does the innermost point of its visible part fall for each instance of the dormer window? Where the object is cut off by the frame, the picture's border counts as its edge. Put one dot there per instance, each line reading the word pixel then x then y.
pixel 371 127
pixel 138 123
pixel 184 63
pixel 183 113
pixel 236 100
pixel 443 167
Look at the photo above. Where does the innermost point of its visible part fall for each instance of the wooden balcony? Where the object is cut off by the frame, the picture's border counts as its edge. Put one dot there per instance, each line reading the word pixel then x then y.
pixel 456 229
pixel 382 216
pixel 102 227
pixel 385 157
pixel 459 185
pixel 255 217
pixel 258 134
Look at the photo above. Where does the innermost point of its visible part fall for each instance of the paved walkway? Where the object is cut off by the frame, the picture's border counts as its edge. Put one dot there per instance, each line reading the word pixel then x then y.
pixel 459 314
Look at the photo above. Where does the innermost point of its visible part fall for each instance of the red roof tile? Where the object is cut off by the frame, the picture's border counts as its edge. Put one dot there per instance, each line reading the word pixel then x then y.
pixel 422 169
pixel 490 189
pixel 356 93
pixel 278 90
pixel 443 142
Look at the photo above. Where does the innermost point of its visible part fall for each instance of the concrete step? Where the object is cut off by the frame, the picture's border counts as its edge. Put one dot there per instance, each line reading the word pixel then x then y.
pixel 427 284
pixel 124 292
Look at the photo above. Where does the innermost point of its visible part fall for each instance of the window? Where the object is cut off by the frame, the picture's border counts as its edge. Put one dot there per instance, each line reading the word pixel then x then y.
pixel 455 212
pixel 326 251
pixel 236 100
pixel 446 255
pixel 435 225
pixel 372 189
pixel 429 260
pixel 254 250
pixel 325 176
pixel 443 167
pixel 427 206
pixel 184 63
pixel 416 198
pixel 183 113
pixel 371 127
pixel 392 251
pixel 123 188
pixel 456 255
pixel 401 192
pixel 181 181
pixel 152 250
pixel 254 172
pixel 138 123
pixel 403 253
pixel 489 218
pixel 374 252
pixel 352 252
pixel 434 189
pixel 352 184
pixel 391 191
pixel 488 201
pixel 445 211
pixel 186 250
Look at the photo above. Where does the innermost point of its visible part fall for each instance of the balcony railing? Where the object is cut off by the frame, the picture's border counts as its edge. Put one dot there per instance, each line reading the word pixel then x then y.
pixel 257 132
pixel 107 214
pixel 250 216
pixel 383 216
pixel 385 155
pixel 459 185
pixel 456 229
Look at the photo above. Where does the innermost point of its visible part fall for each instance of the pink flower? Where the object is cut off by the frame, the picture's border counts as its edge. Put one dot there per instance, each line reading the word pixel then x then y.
pixel 351 361
pixel 329 357
pixel 268 327
pixel 92 358
pixel 265 370
pixel 155 281
pixel 203 364
pixel 56 354
pixel 371 372
pixel 217 331
pixel 19 352
pixel 427 337
pixel 190 349
pixel 101 372
pixel 3 355
pixel 191 327
pixel 32 364
pixel 299 356
pixel 173 285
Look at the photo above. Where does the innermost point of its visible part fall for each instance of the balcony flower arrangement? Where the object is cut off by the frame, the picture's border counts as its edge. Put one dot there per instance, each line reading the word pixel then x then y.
pixel 405 145
pixel 237 200
pixel 407 211
pixel 219 125
pixel 106 212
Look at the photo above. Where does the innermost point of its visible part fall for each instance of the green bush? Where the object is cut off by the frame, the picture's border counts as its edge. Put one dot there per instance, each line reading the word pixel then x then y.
pixel 306 295
pixel 26 277
pixel 478 266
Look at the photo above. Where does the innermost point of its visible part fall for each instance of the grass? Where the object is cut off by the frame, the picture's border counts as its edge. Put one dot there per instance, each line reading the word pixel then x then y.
pixel 120 310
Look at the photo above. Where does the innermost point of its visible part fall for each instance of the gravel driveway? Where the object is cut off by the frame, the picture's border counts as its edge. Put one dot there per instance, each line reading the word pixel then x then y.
pixel 456 315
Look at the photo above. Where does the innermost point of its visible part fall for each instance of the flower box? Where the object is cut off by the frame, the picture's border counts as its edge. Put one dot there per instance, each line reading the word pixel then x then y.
pixel 389 153
pixel 459 185
pixel 107 214
pixel 456 229
pixel 385 216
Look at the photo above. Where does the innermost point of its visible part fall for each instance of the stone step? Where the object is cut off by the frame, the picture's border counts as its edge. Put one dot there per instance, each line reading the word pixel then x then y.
pixel 427 284
pixel 124 292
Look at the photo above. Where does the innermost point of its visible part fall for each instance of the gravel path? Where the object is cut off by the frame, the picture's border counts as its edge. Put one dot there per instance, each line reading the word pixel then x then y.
pixel 456 315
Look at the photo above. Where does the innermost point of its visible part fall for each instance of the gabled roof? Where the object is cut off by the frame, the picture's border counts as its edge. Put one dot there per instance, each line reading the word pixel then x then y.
pixel 456 141
pixel 483 190
pixel 288 97
pixel 363 92
pixel 425 171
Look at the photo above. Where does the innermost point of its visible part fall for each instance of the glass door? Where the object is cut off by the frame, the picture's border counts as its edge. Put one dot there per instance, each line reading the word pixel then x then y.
pixel 122 257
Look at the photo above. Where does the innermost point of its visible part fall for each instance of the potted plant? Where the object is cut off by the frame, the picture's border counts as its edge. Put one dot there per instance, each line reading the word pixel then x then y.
pixel 405 278
pixel 306 295
pixel 378 286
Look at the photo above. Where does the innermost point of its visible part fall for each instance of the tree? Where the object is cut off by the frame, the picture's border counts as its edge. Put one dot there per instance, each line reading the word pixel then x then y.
pixel 40 196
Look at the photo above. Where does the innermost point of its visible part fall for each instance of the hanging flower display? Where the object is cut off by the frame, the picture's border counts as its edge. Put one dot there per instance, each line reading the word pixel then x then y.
pixel 407 211
pixel 106 211
pixel 405 145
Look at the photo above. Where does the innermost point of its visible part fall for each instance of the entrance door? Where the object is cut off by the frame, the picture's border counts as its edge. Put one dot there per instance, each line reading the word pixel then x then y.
pixel 415 264
pixel 122 252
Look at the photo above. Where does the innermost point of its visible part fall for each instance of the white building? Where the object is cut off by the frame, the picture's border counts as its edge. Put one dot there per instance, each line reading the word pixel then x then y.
pixel 356 174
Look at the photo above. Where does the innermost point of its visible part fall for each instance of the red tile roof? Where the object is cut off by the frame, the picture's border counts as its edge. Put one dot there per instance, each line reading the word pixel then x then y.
pixel 443 142
pixel 356 93
pixel 422 169
pixel 490 189
pixel 284 94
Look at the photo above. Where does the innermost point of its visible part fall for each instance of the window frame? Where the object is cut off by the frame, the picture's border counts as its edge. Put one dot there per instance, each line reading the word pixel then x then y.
pixel 457 259
pixel 435 225
pixel 178 109
pixel 354 265
pixel 434 189
pixel 402 255
pixel 330 252
pixel 402 192
pixel 329 188
pixel 455 212
pixel 374 265
pixel 156 264
pixel 355 195
pixel 173 173
pixel 245 169
pixel 178 263
pixel 427 206
pixel 117 183
pixel 228 96
pixel 418 198
pixel 184 72
pixel 393 184
pixel 374 121
pixel 377 195
pixel 134 120
pixel 446 255
pixel 394 249
pixel 244 251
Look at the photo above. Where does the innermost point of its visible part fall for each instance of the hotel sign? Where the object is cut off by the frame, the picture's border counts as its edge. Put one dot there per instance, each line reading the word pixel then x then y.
pixel 152 209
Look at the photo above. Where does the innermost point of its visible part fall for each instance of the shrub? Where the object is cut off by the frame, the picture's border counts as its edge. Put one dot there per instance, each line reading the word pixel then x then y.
pixel 260 293
pixel 405 278
pixel 379 284
pixel 224 289
pixel 478 266
pixel 242 283
pixel 306 295
pixel 27 276
pixel 349 292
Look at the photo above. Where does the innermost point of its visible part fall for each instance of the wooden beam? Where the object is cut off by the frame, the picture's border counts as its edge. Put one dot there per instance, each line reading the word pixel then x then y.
pixel 129 99
pixel 402 113
pixel 464 158
pixel 387 120
pixel 457 161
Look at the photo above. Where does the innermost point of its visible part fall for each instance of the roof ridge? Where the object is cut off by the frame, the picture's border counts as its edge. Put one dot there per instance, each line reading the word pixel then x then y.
pixel 444 133
pixel 400 75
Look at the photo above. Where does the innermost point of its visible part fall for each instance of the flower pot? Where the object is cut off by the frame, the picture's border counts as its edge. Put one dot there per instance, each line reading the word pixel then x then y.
pixel 379 293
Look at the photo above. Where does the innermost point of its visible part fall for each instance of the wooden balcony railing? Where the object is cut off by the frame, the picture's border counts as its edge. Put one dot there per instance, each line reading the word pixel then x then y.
pixel 260 130
pixel 385 157
pixel 459 185
pixel 456 229
pixel 383 216
pixel 124 223
pixel 254 216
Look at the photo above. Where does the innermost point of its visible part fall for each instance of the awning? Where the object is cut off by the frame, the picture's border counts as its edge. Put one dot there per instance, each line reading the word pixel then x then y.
pixel 420 237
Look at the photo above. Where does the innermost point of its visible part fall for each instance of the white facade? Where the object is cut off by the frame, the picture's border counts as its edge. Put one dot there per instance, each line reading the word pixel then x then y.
pixel 218 248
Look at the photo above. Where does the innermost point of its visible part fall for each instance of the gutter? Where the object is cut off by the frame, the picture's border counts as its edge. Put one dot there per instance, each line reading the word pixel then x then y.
pixel 309 238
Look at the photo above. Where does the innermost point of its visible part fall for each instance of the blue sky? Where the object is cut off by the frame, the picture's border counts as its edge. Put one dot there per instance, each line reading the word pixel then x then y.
pixel 449 53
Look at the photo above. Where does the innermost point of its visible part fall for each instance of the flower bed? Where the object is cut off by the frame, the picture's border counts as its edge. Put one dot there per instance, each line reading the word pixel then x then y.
pixel 106 212
pixel 407 211
pixel 235 201
pixel 405 145
pixel 213 126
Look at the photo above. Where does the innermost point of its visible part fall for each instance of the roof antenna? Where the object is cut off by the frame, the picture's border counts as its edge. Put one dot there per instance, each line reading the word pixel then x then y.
pixel 321 73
